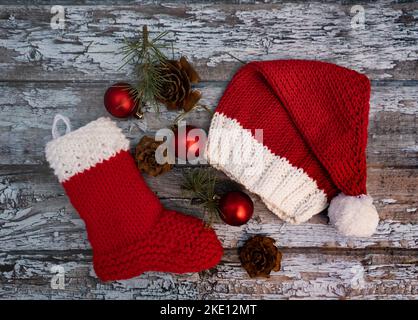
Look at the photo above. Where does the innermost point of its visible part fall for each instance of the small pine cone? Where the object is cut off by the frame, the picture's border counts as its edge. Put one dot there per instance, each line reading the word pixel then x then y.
pixel 145 157
pixel 259 256
pixel 178 77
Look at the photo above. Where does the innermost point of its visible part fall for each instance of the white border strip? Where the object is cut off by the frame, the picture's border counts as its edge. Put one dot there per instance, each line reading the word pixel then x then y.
pixel 286 190
pixel 85 147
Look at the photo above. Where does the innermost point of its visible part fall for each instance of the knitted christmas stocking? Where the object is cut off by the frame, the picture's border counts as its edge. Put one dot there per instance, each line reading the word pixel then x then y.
pixel 129 230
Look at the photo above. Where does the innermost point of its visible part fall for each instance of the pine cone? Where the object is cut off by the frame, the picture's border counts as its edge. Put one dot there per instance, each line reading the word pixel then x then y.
pixel 259 256
pixel 177 92
pixel 145 157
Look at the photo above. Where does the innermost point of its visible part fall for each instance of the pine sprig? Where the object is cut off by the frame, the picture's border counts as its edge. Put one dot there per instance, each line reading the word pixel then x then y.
pixel 201 184
pixel 147 57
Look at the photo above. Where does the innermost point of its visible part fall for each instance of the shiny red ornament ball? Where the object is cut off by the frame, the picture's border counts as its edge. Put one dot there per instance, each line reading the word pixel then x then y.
pixel 118 100
pixel 236 208
pixel 187 142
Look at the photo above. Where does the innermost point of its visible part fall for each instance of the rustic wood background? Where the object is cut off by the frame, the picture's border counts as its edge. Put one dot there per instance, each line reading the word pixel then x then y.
pixel 45 71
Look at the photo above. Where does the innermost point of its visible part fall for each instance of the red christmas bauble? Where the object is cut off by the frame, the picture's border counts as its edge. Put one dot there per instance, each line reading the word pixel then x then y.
pixel 236 208
pixel 119 102
pixel 184 141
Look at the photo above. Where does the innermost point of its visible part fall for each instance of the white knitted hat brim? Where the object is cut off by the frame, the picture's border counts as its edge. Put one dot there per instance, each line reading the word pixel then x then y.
pixel 285 189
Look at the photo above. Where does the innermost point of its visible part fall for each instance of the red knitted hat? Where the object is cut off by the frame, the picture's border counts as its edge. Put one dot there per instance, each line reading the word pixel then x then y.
pixel 295 133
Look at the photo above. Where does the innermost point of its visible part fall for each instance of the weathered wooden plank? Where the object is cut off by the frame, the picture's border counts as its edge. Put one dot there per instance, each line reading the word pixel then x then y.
pixel 36 214
pixel 27 110
pixel 310 279
pixel 87 47
pixel 305 274
pixel 394 190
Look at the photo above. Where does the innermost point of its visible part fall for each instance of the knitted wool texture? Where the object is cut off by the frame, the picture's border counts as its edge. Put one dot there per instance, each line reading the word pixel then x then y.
pixel 128 228
pixel 313 117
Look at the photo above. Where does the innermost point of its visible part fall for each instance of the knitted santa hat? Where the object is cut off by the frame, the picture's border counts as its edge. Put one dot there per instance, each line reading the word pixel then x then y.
pixel 295 133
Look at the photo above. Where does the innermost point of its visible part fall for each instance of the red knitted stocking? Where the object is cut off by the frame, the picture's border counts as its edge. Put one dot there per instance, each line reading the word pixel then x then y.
pixel 129 230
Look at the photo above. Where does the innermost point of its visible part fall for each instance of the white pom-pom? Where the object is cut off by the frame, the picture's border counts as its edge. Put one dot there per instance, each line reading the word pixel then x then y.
pixel 354 216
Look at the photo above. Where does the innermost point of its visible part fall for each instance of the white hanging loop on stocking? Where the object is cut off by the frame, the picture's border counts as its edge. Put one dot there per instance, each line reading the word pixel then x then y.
pixel 55 132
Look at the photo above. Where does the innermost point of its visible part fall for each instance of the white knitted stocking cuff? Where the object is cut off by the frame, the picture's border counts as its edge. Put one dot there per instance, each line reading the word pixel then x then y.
pixel 85 147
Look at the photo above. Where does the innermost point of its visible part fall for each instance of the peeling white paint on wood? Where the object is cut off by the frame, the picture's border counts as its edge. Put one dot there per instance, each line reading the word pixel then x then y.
pixel 28 110
pixel 93 35
pixel 388 201
pixel 303 275
pixel 35 229
pixel 34 184
pixel 42 218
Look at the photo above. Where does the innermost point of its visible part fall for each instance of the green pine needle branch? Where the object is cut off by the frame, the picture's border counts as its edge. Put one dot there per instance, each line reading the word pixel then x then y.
pixel 146 55
pixel 201 184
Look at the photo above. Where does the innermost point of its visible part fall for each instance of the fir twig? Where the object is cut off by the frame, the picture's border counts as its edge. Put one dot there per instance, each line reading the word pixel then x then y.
pixel 201 183
pixel 147 57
